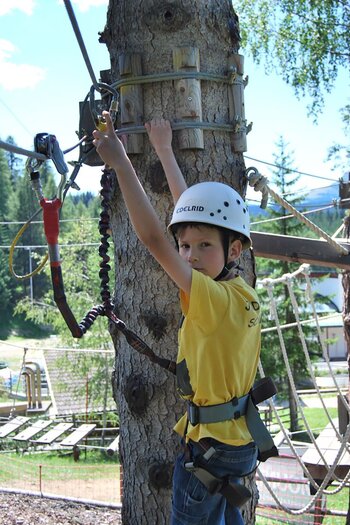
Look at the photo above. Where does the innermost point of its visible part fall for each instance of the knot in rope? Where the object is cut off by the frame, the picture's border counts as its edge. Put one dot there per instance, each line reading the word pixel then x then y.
pixel 259 183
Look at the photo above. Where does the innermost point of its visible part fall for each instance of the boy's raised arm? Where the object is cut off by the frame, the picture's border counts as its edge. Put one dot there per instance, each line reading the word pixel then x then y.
pixel 160 135
pixel 143 217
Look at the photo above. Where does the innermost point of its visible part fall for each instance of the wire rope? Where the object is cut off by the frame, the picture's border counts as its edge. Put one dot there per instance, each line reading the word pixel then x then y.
pixel 291 170
pixel 259 182
pixel 80 40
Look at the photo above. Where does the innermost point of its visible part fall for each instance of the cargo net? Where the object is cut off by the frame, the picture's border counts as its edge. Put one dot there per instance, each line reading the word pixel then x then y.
pixel 304 484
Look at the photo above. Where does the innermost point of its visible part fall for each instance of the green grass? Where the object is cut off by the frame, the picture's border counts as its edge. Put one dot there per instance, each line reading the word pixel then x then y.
pixel 54 465
pixel 316 418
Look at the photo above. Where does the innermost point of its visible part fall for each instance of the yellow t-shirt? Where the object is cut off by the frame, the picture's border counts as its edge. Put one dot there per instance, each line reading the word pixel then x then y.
pixel 219 348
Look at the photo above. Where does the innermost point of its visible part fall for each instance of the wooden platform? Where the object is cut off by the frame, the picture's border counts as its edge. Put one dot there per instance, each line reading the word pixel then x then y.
pixel 31 431
pixel 329 446
pixel 53 434
pixel 37 432
pixel 19 409
pixel 12 425
pixel 48 432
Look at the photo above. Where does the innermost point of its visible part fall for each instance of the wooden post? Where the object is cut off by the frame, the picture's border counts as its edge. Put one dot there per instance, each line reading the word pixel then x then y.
pixel 236 102
pixel 188 97
pixel 131 103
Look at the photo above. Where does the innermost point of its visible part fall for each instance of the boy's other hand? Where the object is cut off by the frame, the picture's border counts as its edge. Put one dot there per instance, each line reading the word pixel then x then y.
pixel 160 134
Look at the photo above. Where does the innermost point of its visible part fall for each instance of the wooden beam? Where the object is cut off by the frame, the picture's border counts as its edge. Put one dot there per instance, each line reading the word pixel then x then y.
pixel 300 249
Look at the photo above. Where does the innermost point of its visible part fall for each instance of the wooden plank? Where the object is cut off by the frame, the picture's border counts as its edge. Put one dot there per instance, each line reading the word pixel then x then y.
pixel 78 434
pixel 13 425
pixel 131 100
pixel 53 434
pixel 300 249
pixel 33 430
pixel 17 409
pixel 329 446
pixel 188 100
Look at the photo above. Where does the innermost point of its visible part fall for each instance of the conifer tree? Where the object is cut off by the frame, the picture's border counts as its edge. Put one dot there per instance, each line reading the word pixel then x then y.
pixel 284 180
pixel 6 286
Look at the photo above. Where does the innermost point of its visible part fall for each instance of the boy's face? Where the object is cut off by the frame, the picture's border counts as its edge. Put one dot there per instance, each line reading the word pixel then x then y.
pixel 202 248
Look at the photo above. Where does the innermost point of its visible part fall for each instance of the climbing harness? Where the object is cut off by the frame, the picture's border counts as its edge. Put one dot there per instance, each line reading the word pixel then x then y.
pixel 235 493
pixel 238 407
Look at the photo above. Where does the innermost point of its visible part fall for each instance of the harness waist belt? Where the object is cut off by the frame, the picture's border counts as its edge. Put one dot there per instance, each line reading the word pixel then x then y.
pixel 237 407
pixel 233 409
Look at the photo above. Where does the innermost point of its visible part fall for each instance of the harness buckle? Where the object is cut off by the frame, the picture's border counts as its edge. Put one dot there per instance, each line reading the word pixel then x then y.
pixel 237 413
pixel 234 401
pixel 193 413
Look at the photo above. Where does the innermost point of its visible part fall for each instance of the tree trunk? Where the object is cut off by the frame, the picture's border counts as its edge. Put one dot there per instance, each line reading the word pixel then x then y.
pixel 146 38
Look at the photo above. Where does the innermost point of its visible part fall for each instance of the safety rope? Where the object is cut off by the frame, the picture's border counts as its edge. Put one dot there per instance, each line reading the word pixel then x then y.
pixel 20 151
pixel 174 75
pixel 80 40
pixel 14 245
pixel 259 183
pixel 12 148
pixel 182 124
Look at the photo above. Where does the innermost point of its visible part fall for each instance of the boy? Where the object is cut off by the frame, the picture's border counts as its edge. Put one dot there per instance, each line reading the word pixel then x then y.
pixel 219 340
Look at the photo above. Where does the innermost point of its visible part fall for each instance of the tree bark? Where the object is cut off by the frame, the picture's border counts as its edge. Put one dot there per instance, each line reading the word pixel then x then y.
pixel 143 36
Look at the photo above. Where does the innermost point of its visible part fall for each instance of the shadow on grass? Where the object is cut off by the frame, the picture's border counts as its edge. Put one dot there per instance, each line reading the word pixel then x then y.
pixel 21 327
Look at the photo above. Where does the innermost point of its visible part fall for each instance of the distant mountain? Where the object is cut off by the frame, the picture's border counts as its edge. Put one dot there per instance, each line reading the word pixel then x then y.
pixel 315 198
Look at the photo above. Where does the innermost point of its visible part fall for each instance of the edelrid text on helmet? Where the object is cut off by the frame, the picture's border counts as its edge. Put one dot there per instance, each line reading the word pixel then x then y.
pixel 216 204
pixel 189 208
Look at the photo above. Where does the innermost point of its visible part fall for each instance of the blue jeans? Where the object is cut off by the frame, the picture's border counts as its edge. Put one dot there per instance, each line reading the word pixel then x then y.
pixel 192 504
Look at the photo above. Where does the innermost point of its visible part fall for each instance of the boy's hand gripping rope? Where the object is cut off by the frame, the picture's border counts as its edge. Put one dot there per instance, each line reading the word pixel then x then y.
pixel 259 183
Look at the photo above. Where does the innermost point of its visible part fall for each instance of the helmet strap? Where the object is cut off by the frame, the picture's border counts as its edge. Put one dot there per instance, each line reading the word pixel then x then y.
pixel 226 245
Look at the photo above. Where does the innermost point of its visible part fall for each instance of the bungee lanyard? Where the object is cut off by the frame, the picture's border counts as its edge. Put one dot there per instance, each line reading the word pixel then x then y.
pixel 51 209
pixel 46 145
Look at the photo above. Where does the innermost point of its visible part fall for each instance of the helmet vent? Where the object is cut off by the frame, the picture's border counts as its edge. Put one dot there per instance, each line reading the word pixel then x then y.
pixel 226 204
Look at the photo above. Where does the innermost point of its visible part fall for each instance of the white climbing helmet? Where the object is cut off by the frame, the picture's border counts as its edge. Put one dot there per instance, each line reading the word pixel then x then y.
pixel 216 204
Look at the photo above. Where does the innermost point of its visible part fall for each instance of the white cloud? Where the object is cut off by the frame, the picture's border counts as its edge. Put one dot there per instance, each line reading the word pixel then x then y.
pixel 6 6
pixel 84 5
pixel 17 76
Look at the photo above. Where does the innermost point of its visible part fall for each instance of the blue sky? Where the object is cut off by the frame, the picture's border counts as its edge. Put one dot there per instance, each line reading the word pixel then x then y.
pixel 43 77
